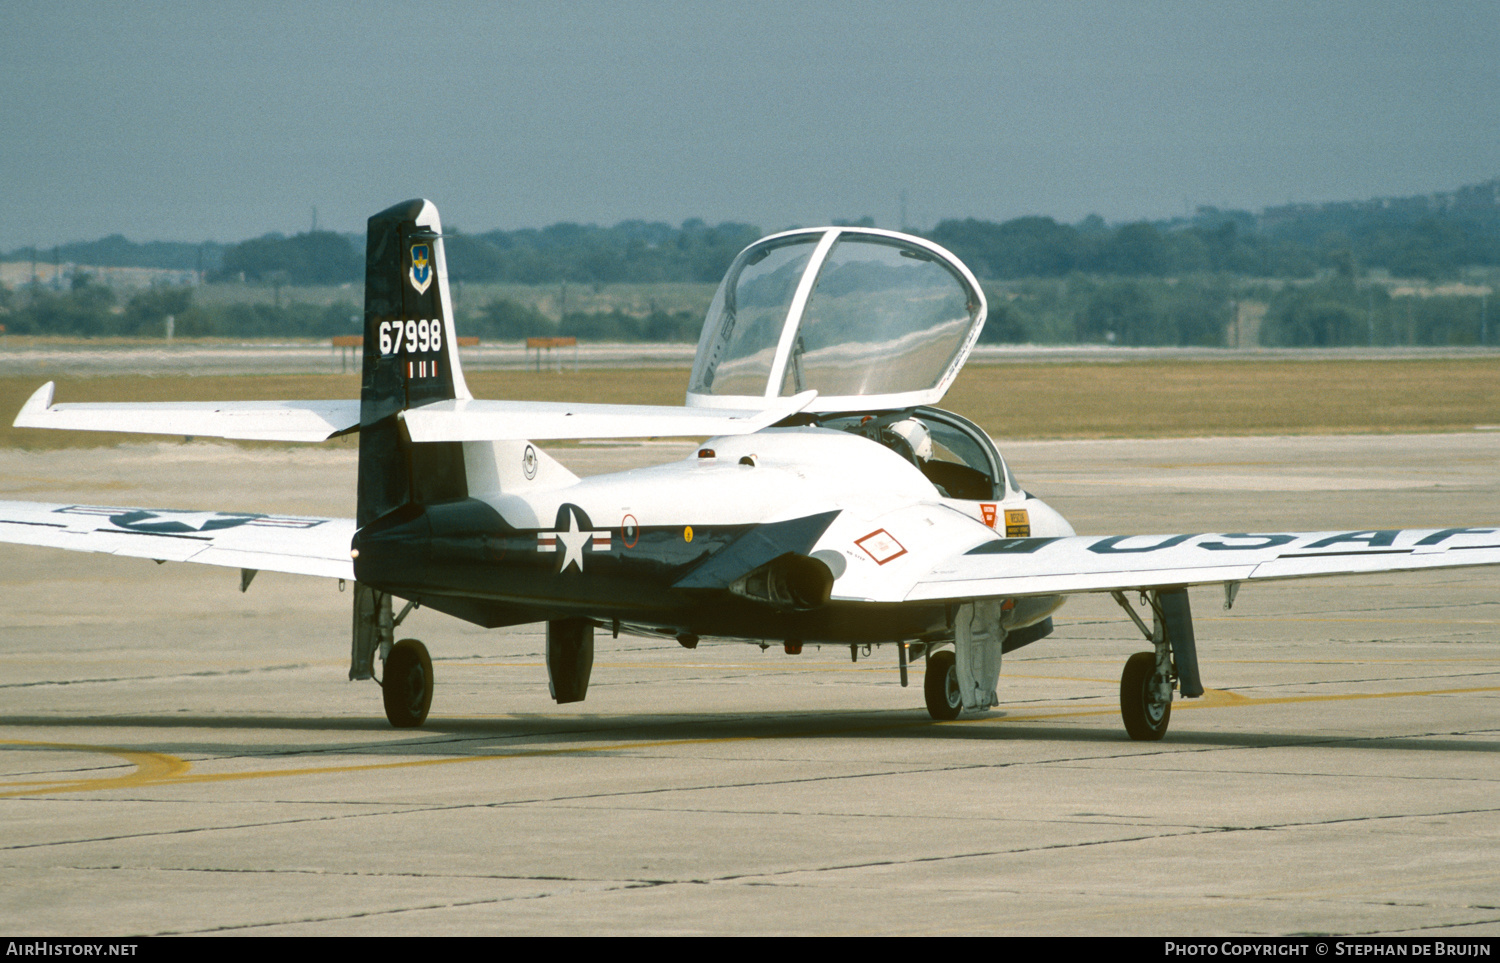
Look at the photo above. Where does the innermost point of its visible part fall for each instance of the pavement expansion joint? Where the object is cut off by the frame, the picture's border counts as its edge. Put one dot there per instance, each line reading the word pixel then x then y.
pixel 396 911
pixel 1367 818
pixel 169 677
pixel 304 871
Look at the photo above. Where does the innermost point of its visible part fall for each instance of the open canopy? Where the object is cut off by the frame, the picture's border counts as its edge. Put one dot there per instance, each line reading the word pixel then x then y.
pixel 869 319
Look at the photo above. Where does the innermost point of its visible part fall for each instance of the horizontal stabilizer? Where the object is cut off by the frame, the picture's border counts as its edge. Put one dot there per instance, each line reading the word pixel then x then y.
pixel 243 420
pixel 475 420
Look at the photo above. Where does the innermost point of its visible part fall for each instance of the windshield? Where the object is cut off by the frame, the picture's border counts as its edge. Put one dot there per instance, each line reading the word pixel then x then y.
pixel 747 317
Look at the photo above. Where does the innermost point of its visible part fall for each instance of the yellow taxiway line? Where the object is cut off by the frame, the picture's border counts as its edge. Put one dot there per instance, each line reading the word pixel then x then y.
pixel 160 769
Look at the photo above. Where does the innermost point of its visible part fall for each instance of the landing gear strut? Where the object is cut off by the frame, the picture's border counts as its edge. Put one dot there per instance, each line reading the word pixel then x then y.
pixel 940 686
pixel 407 686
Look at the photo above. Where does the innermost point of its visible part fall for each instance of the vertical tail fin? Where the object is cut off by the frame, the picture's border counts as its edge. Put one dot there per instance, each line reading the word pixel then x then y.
pixel 410 360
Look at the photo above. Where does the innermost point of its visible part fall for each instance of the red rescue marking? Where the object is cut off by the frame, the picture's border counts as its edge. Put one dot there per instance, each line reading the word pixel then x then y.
pixel 881 545
pixel 987 509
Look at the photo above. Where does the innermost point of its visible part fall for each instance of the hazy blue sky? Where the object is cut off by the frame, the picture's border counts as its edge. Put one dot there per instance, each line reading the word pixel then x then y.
pixel 223 121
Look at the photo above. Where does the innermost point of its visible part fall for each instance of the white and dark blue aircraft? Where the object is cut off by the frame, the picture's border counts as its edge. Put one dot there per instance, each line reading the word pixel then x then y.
pixel 832 503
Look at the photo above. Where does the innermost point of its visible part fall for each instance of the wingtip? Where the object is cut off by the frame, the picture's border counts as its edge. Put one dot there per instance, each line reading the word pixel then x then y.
pixel 35 406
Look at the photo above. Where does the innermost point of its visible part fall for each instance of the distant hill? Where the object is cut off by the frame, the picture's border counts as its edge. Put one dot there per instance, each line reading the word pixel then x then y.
pixel 1428 236
pixel 116 251
pixel 1424 236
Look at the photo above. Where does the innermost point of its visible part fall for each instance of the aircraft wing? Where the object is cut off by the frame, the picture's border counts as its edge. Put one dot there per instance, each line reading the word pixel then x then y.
pixel 483 420
pixel 247 420
pixel 274 543
pixel 1012 567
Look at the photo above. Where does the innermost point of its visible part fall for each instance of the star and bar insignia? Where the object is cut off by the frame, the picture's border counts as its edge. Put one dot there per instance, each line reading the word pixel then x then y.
pixel 573 534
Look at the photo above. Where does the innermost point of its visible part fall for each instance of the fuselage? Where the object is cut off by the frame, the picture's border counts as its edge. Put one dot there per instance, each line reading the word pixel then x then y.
pixel 692 547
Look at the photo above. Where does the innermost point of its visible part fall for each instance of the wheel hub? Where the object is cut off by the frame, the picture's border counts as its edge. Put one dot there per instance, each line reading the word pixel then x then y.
pixel 416 688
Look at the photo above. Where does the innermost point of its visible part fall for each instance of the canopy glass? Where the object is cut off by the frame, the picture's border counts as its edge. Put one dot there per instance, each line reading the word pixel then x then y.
pixel 867 318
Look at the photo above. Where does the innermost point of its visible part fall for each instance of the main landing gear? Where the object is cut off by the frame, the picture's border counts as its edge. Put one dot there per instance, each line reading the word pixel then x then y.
pixel 406 687
pixel 940 686
pixel 1145 698
pixel 1149 677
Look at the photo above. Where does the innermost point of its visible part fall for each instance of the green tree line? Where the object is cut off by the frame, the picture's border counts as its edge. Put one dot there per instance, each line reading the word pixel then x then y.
pixel 91 310
pixel 1428 236
pixel 1205 310
pixel 1434 246
pixel 1311 272
pixel 1226 311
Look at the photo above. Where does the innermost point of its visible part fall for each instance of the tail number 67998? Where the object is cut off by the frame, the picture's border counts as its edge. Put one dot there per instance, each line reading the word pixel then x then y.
pixel 410 336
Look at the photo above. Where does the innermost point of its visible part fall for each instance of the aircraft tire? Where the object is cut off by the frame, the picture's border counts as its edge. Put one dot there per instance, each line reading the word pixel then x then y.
pixel 1145 719
pixel 940 687
pixel 407 685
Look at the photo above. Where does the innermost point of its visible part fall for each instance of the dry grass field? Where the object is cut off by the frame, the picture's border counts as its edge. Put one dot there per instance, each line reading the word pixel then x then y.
pixel 1201 398
pixel 1011 401
pixel 550 299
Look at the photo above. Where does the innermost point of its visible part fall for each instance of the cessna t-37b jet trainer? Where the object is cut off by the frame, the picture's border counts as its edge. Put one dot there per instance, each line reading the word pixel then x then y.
pixel 831 503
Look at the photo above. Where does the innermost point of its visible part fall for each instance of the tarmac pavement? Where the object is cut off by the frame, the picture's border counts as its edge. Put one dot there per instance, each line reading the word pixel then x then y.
pixel 178 757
